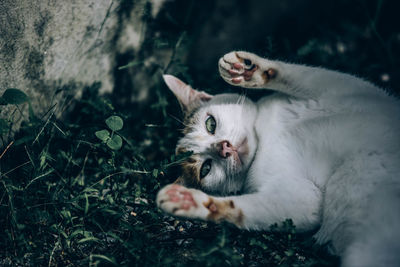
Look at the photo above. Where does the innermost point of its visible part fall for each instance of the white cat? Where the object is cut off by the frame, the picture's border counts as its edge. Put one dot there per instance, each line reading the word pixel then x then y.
pixel 323 151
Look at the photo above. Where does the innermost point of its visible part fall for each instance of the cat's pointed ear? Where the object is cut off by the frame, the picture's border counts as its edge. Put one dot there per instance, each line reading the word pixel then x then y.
pixel 188 97
pixel 179 181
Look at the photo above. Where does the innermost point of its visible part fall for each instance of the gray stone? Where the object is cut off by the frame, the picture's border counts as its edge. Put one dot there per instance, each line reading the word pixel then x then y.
pixel 54 48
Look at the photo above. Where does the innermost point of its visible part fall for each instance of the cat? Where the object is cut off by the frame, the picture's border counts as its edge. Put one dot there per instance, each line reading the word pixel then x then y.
pixel 323 150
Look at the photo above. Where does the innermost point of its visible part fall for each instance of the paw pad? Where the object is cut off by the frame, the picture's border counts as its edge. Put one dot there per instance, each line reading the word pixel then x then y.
pixel 245 69
pixel 180 195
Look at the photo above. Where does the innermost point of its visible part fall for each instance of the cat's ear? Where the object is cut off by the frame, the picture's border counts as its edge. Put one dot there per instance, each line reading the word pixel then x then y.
pixel 188 97
pixel 179 181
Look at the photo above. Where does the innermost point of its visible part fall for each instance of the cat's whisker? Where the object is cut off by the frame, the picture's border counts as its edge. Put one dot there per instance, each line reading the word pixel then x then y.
pixel 178 120
pixel 241 102
pixel 239 99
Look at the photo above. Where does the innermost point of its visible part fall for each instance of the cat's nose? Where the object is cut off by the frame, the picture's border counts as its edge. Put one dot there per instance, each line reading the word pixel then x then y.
pixel 225 149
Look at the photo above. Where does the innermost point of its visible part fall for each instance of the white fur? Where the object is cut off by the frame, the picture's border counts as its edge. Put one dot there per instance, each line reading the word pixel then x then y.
pixel 324 151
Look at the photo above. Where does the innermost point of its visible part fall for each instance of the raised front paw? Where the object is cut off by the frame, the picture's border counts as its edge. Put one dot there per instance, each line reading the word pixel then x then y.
pixel 184 202
pixel 246 69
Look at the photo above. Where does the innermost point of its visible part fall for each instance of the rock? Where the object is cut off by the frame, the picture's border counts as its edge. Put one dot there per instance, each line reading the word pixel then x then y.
pixel 53 49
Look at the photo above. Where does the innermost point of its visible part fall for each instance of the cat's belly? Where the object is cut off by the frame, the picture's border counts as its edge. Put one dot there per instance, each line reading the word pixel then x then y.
pixel 309 140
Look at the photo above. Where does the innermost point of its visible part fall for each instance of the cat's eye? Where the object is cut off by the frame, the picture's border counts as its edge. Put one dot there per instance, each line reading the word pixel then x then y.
pixel 211 124
pixel 205 168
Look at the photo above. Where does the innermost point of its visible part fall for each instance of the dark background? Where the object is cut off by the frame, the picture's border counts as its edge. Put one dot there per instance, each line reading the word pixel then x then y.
pixel 359 37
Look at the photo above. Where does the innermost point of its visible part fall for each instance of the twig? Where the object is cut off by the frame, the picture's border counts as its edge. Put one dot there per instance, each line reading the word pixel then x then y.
pixel 5 150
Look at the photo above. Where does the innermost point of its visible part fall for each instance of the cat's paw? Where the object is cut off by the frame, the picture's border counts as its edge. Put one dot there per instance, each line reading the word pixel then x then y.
pixel 246 69
pixel 184 202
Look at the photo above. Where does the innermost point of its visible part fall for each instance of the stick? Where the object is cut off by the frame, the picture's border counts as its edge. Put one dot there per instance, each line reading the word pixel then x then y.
pixel 5 150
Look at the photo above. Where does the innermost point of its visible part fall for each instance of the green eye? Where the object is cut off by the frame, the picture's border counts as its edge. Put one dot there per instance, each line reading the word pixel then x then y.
pixel 205 168
pixel 211 124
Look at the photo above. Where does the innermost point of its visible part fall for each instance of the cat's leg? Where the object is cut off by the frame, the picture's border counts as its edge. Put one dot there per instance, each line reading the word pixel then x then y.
pixel 251 71
pixel 252 211
pixel 195 204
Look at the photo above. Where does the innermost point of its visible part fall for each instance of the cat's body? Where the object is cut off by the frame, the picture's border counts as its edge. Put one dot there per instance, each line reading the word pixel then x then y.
pixel 324 151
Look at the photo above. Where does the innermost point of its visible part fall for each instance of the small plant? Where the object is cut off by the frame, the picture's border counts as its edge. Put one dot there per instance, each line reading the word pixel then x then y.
pixel 112 140
pixel 12 96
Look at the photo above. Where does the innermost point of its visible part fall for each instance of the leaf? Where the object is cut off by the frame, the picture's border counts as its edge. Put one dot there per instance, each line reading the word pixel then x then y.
pixel 3 126
pixel 23 140
pixel 110 199
pixel 155 173
pixel 103 135
pixel 66 214
pixel 104 258
pixel 77 232
pixel 115 142
pixel 289 253
pixel 109 211
pixel 21 226
pixel 86 204
pixel 89 239
pixel 14 96
pixel 115 123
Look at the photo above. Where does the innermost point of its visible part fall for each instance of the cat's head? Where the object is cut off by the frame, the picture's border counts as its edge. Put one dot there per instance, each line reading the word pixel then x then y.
pixel 220 131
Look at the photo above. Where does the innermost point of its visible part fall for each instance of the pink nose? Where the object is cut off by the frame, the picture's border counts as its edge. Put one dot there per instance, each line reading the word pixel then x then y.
pixel 226 149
